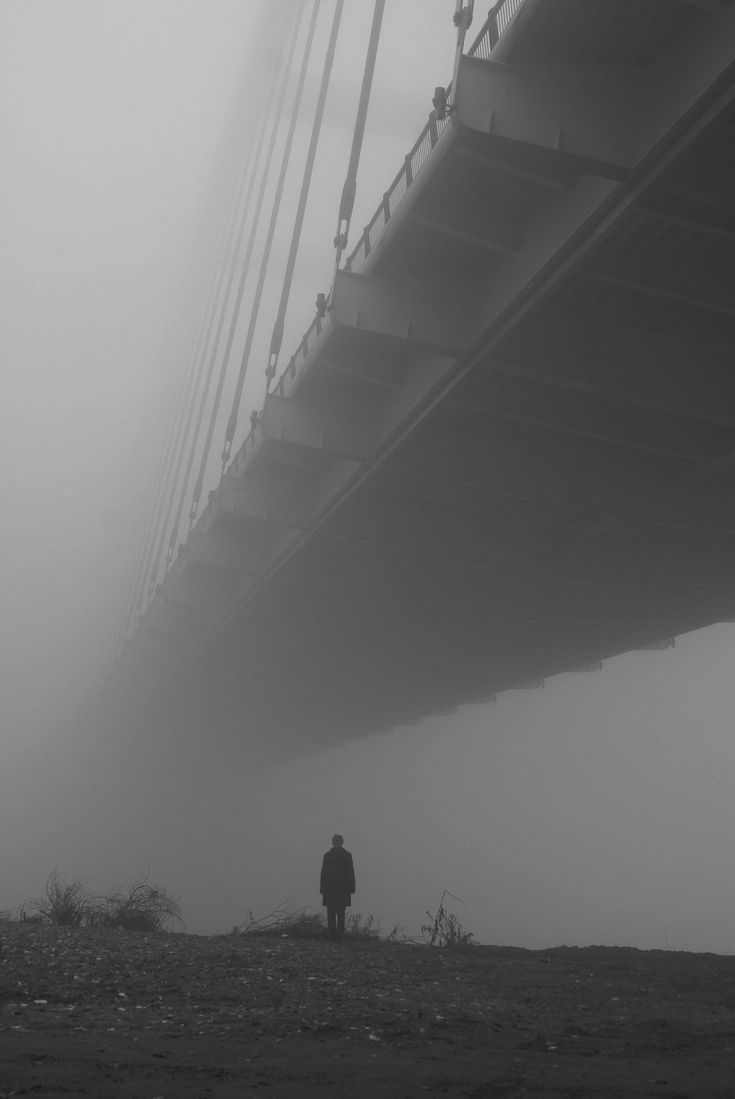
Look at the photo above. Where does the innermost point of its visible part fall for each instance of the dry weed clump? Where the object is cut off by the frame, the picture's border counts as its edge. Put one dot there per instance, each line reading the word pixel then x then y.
pixel 362 927
pixel 139 906
pixel 299 923
pixel 292 923
pixel 445 928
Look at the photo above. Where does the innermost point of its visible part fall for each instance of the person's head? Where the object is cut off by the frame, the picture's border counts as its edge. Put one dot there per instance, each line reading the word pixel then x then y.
pixel 337 840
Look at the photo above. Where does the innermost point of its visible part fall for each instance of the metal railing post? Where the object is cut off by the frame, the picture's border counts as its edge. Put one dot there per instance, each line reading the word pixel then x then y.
pixel 433 132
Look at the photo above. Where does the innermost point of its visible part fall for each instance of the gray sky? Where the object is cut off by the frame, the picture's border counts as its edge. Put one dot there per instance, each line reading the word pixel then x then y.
pixel 598 809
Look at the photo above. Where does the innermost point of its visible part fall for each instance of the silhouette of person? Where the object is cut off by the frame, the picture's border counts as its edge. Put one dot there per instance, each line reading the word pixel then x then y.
pixel 336 885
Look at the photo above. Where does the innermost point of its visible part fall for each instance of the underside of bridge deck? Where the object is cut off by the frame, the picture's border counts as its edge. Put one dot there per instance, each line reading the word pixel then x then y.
pixel 509 449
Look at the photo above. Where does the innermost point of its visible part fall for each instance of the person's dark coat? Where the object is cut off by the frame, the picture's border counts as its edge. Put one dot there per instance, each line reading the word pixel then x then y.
pixel 337 882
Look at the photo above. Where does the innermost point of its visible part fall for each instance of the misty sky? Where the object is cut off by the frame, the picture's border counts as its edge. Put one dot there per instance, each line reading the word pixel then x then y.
pixel 598 809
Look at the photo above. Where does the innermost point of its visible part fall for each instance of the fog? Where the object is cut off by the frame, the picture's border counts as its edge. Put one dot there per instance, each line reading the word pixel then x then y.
pixel 595 810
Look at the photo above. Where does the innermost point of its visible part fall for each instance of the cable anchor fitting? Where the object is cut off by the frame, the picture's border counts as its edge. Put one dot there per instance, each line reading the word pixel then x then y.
pixel 440 103
pixel 462 18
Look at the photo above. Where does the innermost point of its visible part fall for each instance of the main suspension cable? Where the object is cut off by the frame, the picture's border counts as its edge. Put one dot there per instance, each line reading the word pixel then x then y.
pixel 277 337
pixel 232 422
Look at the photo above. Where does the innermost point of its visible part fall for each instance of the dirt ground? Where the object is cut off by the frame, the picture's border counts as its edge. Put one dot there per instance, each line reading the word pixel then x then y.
pixel 108 1013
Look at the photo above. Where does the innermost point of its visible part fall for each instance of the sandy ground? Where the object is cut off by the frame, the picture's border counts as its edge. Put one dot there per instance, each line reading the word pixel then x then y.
pixel 107 1013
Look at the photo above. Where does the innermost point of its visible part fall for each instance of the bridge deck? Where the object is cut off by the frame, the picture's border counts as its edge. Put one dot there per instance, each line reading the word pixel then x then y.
pixel 507 448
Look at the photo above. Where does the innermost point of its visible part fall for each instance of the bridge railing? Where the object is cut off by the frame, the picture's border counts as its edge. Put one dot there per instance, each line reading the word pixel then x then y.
pixel 495 25
pixel 302 352
pixel 412 165
pixel 493 29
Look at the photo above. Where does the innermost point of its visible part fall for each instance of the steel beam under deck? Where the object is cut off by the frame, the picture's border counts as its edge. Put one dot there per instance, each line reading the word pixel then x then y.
pixel 547 471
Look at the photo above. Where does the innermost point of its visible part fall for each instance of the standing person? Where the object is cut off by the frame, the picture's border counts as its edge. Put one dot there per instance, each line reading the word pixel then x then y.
pixel 336 885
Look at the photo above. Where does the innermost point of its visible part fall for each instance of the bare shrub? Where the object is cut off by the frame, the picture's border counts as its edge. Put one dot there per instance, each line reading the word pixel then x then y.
pixel 445 928
pixel 66 904
pixel 138 907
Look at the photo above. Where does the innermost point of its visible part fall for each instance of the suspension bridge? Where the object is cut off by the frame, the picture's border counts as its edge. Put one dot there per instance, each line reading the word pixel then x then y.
pixel 505 446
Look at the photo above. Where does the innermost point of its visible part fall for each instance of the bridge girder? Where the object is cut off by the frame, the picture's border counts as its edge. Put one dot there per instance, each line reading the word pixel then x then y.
pixel 587 116
pixel 508 452
pixel 441 317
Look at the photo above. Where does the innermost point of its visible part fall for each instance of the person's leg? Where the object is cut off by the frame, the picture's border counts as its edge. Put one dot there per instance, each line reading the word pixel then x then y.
pixel 340 922
pixel 331 922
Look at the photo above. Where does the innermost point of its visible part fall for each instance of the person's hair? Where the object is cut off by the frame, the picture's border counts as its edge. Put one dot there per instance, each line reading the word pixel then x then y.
pixel 337 840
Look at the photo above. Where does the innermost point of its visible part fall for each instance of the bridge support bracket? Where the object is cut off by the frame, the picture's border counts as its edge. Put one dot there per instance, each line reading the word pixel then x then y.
pixel 440 316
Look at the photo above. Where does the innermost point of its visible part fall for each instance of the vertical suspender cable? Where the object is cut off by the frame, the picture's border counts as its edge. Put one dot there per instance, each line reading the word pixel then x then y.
pixel 462 20
pixel 349 190
pixel 153 551
pixel 172 461
pixel 173 536
pixel 152 491
pixel 232 422
pixel 168 465
pixel 131 577
pixel 277 337
pixel 152 494
pixel 166 493
pixel 183 429
pixel 161 476
pixel 159 485
pixel 166 496
pixel 235 315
